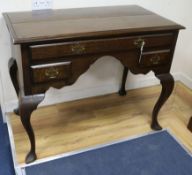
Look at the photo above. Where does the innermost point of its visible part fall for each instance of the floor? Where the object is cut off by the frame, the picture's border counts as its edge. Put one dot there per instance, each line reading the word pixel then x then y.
pixel 83 123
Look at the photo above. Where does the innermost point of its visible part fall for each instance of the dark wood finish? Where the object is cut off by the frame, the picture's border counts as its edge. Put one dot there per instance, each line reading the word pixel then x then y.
pixel 13 72
pixel 153 58
pixel 57 50
pixel 189 126
pixel 73 39
pixel 76 23
pixel 26 106
pixel 167 83
pixel 122 91
pixel 50 72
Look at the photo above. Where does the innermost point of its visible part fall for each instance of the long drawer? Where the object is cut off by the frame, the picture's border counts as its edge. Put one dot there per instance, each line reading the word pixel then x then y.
pixel 58 50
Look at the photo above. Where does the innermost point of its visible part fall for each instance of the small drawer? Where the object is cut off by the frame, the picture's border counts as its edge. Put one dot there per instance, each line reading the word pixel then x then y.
pixel 49 72
pixel 154 58
pixel 97 46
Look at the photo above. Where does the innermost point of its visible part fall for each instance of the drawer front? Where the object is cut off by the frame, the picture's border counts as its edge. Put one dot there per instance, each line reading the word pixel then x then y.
pixel 51 72
pixel 52 51
pixel 155 58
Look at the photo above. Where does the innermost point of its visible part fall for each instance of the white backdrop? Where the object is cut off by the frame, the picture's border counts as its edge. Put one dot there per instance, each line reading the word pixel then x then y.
pixel 106 79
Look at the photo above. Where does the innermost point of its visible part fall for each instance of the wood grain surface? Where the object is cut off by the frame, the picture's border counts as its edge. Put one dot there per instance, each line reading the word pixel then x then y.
pixel 82 22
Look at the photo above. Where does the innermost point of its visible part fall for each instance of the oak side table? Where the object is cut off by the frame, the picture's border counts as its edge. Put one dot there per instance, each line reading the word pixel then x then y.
pixel 52 48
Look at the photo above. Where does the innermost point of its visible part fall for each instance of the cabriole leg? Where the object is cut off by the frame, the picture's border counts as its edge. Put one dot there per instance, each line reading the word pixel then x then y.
pixel 27 105
pixel 13 70
pixel 167 83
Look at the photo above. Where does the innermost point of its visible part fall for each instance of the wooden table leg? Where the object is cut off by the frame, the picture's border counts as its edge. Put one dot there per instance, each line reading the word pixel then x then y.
pixel 122 91
pixel 13 71
pixel 26 106
pixel 190 124
pixel 167 83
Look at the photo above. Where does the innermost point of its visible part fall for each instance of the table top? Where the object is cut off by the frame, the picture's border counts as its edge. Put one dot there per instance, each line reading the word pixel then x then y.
pixel 43 25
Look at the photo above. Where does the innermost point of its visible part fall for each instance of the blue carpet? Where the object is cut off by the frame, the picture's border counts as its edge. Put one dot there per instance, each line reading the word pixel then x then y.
pixel 155 154
pixel 6 163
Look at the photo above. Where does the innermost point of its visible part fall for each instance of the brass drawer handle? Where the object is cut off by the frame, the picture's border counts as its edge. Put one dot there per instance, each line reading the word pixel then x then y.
pixel 155 59
pixel 139 42
pixel 77 48
pixel 51 73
